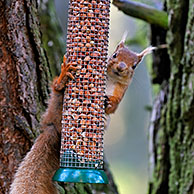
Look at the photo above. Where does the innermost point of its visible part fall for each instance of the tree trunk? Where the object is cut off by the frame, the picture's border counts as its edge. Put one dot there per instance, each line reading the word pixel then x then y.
pixel 171 130
pixel 24 85
pixel 24 75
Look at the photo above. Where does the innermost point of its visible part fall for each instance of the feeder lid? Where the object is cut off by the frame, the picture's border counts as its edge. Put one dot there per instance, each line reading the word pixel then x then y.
pixel 80 175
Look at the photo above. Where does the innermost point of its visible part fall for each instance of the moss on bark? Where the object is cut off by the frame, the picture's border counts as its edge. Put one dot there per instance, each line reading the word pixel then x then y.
pixel 177 119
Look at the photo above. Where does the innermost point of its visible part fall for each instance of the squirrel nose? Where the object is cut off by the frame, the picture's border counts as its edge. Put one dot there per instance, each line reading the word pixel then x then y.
pixel 121 66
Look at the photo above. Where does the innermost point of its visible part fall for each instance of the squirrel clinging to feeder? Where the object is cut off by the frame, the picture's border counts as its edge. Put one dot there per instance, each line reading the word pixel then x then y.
pixel 120 71
pixel 35 172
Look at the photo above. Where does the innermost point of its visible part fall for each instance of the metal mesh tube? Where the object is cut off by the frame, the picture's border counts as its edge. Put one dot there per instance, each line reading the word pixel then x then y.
pixel 83 108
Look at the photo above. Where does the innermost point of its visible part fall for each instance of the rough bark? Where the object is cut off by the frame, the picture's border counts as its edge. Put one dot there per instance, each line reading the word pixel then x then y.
pixel 23 84
pixel 24 88
pixel 171 129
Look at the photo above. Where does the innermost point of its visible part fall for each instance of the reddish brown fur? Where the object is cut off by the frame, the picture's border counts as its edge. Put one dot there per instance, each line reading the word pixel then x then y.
pixel 35 172
pixel 117 80
pixel 120 72
pixel 34 175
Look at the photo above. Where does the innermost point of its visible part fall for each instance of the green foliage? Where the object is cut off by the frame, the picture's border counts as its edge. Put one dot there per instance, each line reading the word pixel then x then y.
pixel 140 37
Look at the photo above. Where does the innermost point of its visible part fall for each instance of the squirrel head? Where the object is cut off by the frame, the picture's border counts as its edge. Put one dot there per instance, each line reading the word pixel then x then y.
pixel 123 62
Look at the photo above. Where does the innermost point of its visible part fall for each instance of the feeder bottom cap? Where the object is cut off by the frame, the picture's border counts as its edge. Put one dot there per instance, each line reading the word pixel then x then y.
pixel 74 175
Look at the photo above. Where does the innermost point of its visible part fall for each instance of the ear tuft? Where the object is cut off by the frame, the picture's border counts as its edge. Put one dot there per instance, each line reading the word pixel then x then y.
pixel 145 52
pixel 122 42
pixel 124 37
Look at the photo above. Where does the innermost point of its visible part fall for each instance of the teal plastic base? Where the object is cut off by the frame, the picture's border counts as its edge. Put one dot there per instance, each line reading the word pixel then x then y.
pixel 74 175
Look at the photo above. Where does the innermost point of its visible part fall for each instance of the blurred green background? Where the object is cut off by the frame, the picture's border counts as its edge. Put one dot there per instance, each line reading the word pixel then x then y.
pixel 126 140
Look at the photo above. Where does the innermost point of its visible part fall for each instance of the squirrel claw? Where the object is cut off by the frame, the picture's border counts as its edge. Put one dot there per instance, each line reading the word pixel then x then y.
pixel 73 68
pixel 65 74
pixel 70 75
pixel 64 59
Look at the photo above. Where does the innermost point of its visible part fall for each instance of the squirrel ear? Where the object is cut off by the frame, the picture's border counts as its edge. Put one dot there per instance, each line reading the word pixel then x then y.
pixel 124 36
pixel 145 52
pixel 122 42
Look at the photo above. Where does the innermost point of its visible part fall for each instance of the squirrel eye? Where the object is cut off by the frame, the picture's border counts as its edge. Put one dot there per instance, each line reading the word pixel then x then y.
pixel 134 66
pixel 114 55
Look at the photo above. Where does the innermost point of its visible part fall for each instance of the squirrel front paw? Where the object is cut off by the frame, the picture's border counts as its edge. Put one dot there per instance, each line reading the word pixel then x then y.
pixel 66 69
pixel 111 104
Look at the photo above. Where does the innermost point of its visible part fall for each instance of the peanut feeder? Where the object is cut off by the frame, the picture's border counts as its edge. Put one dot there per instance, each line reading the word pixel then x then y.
pixel 81 155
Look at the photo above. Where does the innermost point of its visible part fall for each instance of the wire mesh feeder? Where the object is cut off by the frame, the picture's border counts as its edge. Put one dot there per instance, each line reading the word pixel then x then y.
pixel 81 155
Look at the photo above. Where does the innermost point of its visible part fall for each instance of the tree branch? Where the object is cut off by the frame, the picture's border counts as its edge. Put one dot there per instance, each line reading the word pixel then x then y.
pixel 143 11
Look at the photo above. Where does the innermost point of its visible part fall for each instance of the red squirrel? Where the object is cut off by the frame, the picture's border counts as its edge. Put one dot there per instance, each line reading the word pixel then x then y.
pixel 120 71
pixel 34 175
